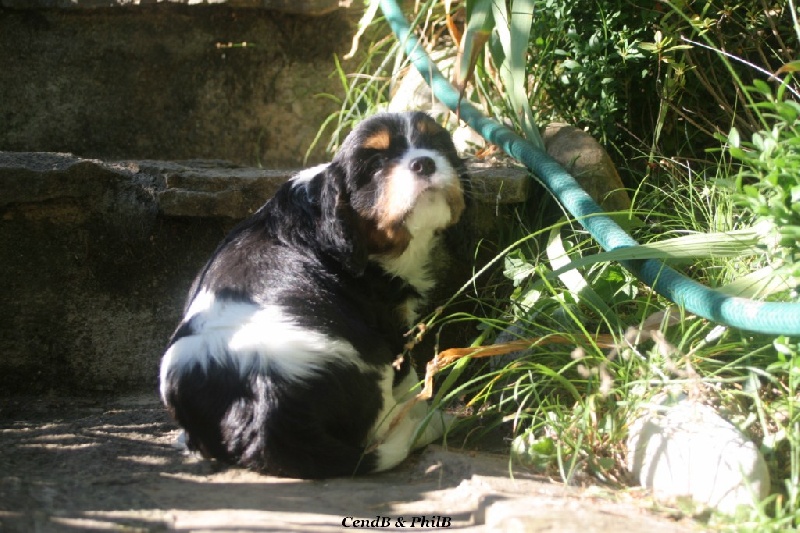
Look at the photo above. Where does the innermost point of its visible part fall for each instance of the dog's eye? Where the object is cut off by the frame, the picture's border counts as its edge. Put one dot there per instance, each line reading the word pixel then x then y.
pixel 367 165
pixel 375 159
pixel 371 160
pixel 379 157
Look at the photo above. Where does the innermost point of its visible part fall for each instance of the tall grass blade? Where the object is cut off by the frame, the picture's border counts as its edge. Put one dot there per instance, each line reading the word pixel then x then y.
pixel 696 246
pixel 572 278
pixel 513 32
pixel 762 282
pixel 479 28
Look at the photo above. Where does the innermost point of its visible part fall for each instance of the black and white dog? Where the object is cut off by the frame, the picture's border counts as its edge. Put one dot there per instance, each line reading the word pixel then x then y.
pixel 286 360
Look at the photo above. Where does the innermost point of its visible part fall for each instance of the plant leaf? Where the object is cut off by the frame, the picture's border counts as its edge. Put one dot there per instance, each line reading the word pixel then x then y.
pixel 791 66
pixel 728 244
pixel 572 279
pixel 479 28
pixel 513 32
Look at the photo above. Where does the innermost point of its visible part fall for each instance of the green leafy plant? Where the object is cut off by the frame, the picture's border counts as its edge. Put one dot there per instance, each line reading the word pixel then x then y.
pixel 708 52
pixel 768 181
pixel 708 116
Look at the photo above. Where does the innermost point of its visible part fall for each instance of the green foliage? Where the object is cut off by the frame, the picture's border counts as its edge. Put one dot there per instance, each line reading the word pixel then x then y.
pixel 785 411
pixel 708 51
pixel 768 181
pixel 508 48
pixel 589 65
pixel 364 92
pixel 697 80
pixel 556 60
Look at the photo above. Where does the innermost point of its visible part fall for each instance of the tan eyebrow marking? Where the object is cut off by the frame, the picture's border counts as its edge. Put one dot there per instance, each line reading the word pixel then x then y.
pixel 379 140
pixel 423 126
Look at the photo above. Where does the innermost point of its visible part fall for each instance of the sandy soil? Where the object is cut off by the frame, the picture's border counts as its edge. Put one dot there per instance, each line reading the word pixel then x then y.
pixel 110 464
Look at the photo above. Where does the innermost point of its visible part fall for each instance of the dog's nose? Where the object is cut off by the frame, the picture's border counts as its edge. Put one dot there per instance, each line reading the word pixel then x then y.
pixel 424 166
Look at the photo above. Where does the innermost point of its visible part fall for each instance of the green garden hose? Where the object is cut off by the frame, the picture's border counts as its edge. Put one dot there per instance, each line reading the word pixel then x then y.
pixel 774 318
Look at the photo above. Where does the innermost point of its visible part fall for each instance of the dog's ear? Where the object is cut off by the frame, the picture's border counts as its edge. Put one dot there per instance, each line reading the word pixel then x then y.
pixel 338 229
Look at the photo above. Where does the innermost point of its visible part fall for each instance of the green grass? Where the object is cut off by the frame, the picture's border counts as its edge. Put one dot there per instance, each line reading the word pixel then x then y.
pixel 715 183
pixel 567 406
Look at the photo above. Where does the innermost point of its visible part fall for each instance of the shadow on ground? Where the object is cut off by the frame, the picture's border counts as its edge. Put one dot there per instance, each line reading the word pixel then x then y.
pixel 86 465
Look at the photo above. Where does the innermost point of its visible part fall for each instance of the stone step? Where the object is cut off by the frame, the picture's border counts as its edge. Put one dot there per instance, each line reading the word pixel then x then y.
pixel 195 188
pixel 99 255
pixel 203 188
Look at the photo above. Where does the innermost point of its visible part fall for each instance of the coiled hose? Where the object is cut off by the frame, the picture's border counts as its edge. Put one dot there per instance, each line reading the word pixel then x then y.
pixel 774 318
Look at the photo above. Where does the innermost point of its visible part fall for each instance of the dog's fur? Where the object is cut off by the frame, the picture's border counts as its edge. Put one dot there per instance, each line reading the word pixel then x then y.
pixel 286 359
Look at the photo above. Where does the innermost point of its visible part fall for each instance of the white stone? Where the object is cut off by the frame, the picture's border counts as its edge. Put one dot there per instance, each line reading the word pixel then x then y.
pixel 688 450
pixel 467 140
pixel 410 92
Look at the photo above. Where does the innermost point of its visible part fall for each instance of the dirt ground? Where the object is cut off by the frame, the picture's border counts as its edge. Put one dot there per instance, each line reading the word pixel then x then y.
pixel 110 464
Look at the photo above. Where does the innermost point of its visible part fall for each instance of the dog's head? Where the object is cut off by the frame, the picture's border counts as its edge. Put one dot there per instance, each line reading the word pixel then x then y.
pixel 396 177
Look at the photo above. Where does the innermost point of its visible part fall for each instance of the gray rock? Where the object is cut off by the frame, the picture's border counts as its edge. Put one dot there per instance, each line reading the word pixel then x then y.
pixel 583 157
pixel 497 184
pixel 232 192
pixel 687 449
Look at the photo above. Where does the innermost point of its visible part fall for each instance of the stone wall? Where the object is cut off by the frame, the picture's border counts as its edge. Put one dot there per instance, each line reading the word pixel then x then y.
pixel 97 258
pixel 193 100
pixel 168 81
